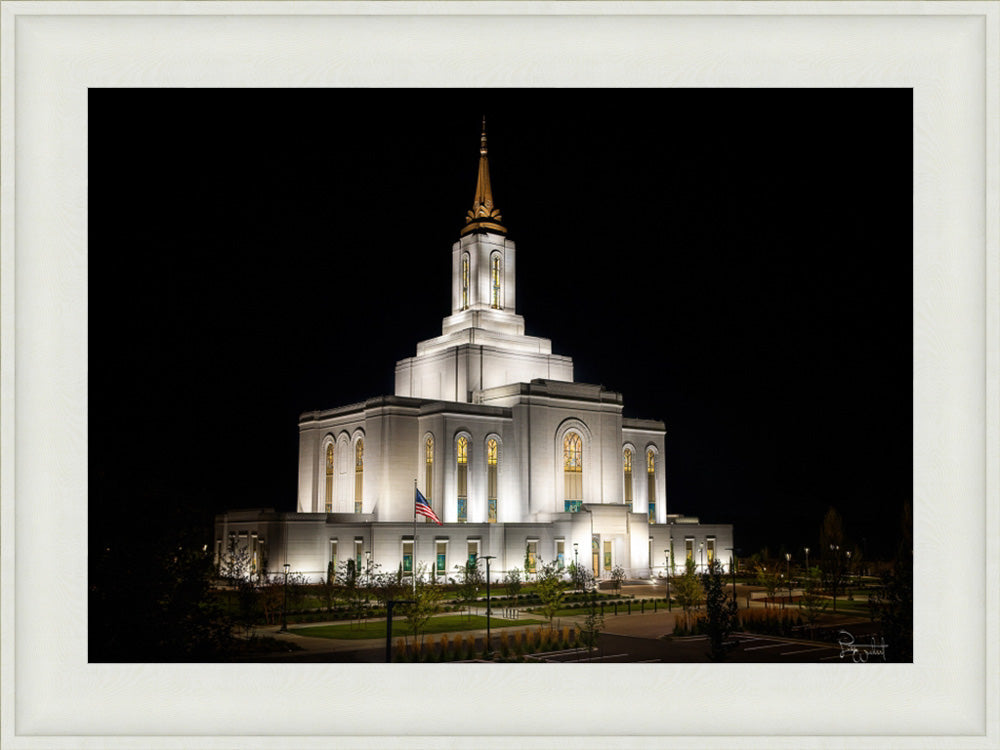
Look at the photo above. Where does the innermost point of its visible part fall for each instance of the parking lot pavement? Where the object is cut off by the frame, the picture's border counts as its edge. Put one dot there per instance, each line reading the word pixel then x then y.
pixel 757 648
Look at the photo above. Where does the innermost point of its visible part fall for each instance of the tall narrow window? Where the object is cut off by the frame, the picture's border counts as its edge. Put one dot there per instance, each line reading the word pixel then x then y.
pixel 531 556
pixel 492 456
pixel 428 468
pixel 463 479
pixel 710 550
pixel 472 551
pixel 561 553
pixel 627 469
pixel 495 286
pixel 408 556
pixel 359 474
pixel 607 555
pixel 329 478
pixel 465 281
pixel 689 548
pixel 440 557
pixel 573 472
pixel 651 476
pixel 331 568
pixel 359 550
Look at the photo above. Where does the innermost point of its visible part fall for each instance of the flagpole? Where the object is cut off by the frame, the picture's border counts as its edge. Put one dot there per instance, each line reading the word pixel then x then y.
pixel 413 563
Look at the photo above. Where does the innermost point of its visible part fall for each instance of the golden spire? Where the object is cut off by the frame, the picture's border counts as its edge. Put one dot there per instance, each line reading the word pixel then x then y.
pixel 484 215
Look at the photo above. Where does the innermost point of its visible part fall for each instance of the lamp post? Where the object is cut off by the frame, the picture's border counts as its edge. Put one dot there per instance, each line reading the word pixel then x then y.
pixel 489 643
pixel 284 605
pixel 807 560
pixel 576 558
pixel 388 625
pixel 666 554
pixel 847 583
pixel 788 574
pixel 701 555
pixel 835 549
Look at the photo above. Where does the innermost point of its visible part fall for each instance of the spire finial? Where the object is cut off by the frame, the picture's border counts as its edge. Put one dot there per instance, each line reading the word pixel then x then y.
pixel 484 216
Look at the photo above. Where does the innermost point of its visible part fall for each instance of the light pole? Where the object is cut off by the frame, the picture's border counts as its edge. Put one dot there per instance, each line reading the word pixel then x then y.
pixel 487 558
pixel 788 574
pixel 701 555
pixel 388 625
pixel 576 562
pixel 284 605
pixel 847 583
pixel 807 560
pixel 835 549
pixel 666 553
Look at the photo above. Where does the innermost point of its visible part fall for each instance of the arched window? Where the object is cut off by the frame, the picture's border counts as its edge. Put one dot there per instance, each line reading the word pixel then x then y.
pixel 492 458
pixel 329 477
pixel 359 473
pixel 627 469
pixel 495 282
pixel 428 467
pixel 573 471
pixel 465 281
pixel 463 479
pixel 651 477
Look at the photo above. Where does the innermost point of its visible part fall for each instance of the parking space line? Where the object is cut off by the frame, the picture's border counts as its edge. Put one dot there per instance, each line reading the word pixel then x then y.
pixel 805 650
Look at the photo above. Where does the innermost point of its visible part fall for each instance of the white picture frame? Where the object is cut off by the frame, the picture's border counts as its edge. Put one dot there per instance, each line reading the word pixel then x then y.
pixel 52 52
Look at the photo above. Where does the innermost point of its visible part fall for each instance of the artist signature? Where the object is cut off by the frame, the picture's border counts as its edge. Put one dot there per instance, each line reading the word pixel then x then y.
pixel 860 652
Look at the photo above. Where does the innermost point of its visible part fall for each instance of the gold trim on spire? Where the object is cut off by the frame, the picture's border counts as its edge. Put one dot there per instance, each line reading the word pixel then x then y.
pixel 483 215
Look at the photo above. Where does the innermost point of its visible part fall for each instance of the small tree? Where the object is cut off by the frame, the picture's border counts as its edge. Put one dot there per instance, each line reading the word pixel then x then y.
pixel 892 604
pixel 617 576
pixel 768 577
pixel 687 590
pixel 551 589
pixel 351 580
pixel 328 585
pixel 579 576
pixel 592 626
pixel 237 568
pixel 721 610
pixel 470 579
pixel 512 583
pixel 812 605
pixel 424 606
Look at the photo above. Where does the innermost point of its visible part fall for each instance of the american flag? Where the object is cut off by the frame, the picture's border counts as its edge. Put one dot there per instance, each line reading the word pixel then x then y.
pixel 424 508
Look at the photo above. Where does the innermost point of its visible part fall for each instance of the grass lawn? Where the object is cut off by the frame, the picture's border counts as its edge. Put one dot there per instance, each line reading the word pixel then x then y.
pixel 444 624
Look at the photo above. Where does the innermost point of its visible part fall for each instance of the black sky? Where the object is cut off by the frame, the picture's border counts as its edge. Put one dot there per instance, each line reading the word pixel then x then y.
pixel 736 262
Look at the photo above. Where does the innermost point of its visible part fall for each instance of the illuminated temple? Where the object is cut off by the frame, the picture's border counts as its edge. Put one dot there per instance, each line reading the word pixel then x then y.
pixel 516 459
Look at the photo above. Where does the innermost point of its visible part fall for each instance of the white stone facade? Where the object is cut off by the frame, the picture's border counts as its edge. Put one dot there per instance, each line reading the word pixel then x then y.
pixel 482 381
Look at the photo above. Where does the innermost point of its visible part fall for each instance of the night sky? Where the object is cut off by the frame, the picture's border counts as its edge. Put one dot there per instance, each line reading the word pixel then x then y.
pixel 737 263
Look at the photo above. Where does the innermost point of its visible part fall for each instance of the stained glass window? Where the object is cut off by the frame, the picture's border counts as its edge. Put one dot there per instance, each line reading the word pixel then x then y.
pixel 359 474
pixel 463 479
pixel 627 467
pixel 573 472
pixel 407 557
pixel 492 460
pixel 329 477
pixel 441 555
pixel 531 557
pixel 495 274
pixel 651 477
pixel 428 467
pixel 465 281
